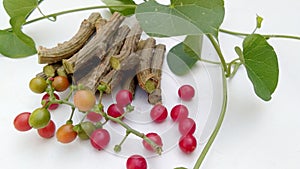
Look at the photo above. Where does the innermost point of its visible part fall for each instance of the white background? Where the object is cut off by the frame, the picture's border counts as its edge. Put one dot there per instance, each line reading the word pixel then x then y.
pixel 255 134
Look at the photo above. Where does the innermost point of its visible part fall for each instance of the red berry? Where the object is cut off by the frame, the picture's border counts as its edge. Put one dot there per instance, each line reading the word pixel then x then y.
pixel 136 162
pixel 21 121
pixel 123 98
pixel 187 126
pixel 159 113
pixel 45 100
pixel 93 116
pixel 48 131
pixel 187 143
pixel 155 138
pixel 100 139
pixel 179 112
pixel 115 111
pixel 186 92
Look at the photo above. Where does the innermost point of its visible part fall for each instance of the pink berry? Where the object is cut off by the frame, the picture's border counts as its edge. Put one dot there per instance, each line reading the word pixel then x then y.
pixel 155 138
pixel 123 98
pixel 187 143
pixel 136 162
pixel 186 92
pixel 158 113
pixel 93 116
pixel 179 112
pixel 115 111
pixel 100 139
pixel 187 126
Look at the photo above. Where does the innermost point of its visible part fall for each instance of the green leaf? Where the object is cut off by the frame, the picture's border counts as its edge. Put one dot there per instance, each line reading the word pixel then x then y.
pixel 14 43
pixel 13 46
pixel 180 168
pixel 182 17
pixel 194 43
pixel 261 64
pixel 123 10
pixel 179 61
pixel 19 8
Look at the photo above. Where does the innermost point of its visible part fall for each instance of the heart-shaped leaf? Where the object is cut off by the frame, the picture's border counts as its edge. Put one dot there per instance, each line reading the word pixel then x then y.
pixel 14 43
pixel 194 43
pixel 15 47
pixel 179 61
pixel 261 64
pixel 19 8
pixel 182 17
pixel 123 10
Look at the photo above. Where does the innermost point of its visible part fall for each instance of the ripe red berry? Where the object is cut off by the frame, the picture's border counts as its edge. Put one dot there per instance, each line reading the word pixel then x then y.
pixel 100 139
pixel 48 131
pixel 123 98
pixel 179 112
pixel 115 111
pixel 155 138
pixel 186 92
pixel 187 126
pixel 158 113
pixel 187 143
pixel 45 100
pixel 21 121
pixel 136 162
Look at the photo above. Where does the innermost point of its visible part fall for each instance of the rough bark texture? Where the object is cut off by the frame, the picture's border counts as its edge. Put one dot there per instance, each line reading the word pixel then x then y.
pixel 109 53
pixel 92 79
pixel 130 46
pixel 91 54
pixel 69 64
pixel 144 68
pixel 69 48
pixel 114 77
pixel 156 67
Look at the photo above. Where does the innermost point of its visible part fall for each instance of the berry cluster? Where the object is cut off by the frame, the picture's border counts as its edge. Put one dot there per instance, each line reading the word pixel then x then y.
pixel 92 125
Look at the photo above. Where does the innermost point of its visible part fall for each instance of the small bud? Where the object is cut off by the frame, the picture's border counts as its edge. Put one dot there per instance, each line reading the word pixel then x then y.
pixel 117 148
pixel 102 88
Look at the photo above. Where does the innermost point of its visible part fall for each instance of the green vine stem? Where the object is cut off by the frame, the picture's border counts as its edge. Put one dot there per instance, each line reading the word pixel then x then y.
pixel 219 52
pixel 129 130
pixel 53 15
pixel 218 125
pixel 266 36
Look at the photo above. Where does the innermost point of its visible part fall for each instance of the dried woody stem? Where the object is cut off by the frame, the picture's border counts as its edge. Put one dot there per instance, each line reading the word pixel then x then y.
pixel 92 79
pixel 68 48
pixel 156 66
pixel 69 63
pixel 130 46
pixel 144 68
pixel 104 52
pixel 114 77
pixel 91 54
